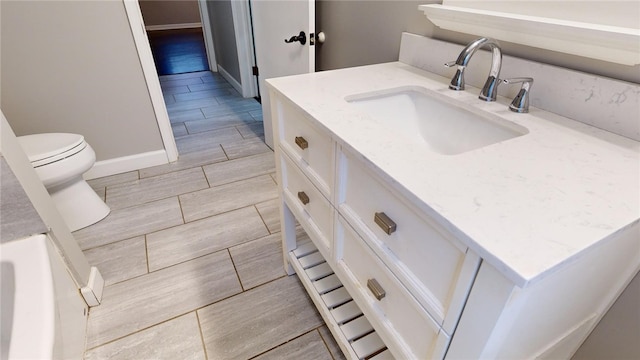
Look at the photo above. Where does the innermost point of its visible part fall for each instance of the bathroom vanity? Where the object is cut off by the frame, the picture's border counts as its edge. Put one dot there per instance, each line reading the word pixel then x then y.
pixel 501 235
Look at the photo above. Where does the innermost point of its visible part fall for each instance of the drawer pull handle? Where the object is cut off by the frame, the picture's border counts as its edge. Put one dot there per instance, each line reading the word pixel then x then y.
pixel 304 198
pixel 386 224
pixel 376 289
pixel 301 142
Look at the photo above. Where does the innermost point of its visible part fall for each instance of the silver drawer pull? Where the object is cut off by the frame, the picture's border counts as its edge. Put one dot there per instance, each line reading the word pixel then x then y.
pixel 301 142
pixel 376 289
pixel 386 224
pixel 304 198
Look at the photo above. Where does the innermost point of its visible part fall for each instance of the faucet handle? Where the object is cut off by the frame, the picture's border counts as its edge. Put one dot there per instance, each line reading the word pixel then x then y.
pixel 457 81
pixel 450 64
pixel 520 103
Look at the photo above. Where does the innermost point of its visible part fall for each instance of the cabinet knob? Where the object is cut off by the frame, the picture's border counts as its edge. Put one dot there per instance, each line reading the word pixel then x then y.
pixel 386 224
pixel 376 289
pixel 304 198
pixel 301 142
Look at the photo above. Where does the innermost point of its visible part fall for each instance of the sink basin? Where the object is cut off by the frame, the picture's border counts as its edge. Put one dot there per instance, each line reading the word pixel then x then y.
pixel 419 114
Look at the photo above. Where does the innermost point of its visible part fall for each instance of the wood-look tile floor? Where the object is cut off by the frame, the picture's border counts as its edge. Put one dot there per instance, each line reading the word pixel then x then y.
pixel 190 252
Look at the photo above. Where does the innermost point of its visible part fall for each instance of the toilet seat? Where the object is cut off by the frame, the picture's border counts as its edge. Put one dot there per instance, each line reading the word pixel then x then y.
pixel 43 149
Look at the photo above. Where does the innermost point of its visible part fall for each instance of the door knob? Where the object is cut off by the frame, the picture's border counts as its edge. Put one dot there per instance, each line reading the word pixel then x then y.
pixel 302 38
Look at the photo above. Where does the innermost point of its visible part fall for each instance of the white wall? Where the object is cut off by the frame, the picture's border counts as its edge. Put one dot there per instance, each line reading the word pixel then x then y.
pixel 364 32
pixel 168 12
pixel 72 66
pixel 616 336
pixel 224 36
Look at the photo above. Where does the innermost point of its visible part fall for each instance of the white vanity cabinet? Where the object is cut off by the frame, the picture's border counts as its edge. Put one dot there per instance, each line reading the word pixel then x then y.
pixel 391 282
pixel 410 280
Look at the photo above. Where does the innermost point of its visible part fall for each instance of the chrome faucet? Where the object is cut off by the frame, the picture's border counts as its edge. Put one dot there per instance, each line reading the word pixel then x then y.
pixel 490 88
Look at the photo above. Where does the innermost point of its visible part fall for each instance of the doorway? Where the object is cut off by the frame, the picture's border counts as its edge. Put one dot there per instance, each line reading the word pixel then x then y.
pixel 236 18
pixel 201 103
pixel 176 35
pixel 244 55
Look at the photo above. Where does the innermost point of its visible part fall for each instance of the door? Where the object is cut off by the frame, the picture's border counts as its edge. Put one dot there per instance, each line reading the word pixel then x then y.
pixel 273 22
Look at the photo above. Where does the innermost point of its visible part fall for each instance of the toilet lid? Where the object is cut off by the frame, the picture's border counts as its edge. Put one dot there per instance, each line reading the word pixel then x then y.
pixel 44 149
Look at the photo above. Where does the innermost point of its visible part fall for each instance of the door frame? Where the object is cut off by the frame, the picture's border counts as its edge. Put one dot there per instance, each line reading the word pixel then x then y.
pixel 243 34
pixel 134 15
pixel 244 43
pixel 209 46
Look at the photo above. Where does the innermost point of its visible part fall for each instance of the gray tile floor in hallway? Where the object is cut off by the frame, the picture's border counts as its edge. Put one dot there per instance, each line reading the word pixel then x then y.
pixel 191 253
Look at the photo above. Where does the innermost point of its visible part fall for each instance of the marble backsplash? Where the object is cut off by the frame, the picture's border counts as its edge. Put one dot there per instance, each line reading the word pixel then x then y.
pixel 608 104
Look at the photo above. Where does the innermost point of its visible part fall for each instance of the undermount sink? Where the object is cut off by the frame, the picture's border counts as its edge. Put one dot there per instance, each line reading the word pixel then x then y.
pixel 426 116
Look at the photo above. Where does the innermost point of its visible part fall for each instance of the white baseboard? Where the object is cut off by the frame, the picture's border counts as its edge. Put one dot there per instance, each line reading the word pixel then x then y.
pixel 126 163
pixel 173 26
pixel 236 85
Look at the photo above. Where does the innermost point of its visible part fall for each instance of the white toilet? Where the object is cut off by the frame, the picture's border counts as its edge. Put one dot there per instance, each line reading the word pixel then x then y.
pixel 60 160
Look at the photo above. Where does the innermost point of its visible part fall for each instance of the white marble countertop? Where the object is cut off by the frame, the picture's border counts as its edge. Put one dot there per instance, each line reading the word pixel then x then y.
pixel 526 205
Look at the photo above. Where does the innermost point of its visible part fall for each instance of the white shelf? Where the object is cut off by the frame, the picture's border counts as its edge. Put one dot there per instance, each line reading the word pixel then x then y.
pixel 603 42
pixel 353 332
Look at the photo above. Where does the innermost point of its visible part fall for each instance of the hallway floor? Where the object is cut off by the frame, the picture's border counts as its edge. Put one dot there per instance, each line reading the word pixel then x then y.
pixel 178 51
pixel 190 252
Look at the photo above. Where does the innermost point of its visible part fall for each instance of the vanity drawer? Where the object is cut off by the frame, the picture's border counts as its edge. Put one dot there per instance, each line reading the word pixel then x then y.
pixel 311 148
pixel 404 325
pixel 310 208
pixel 435 267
